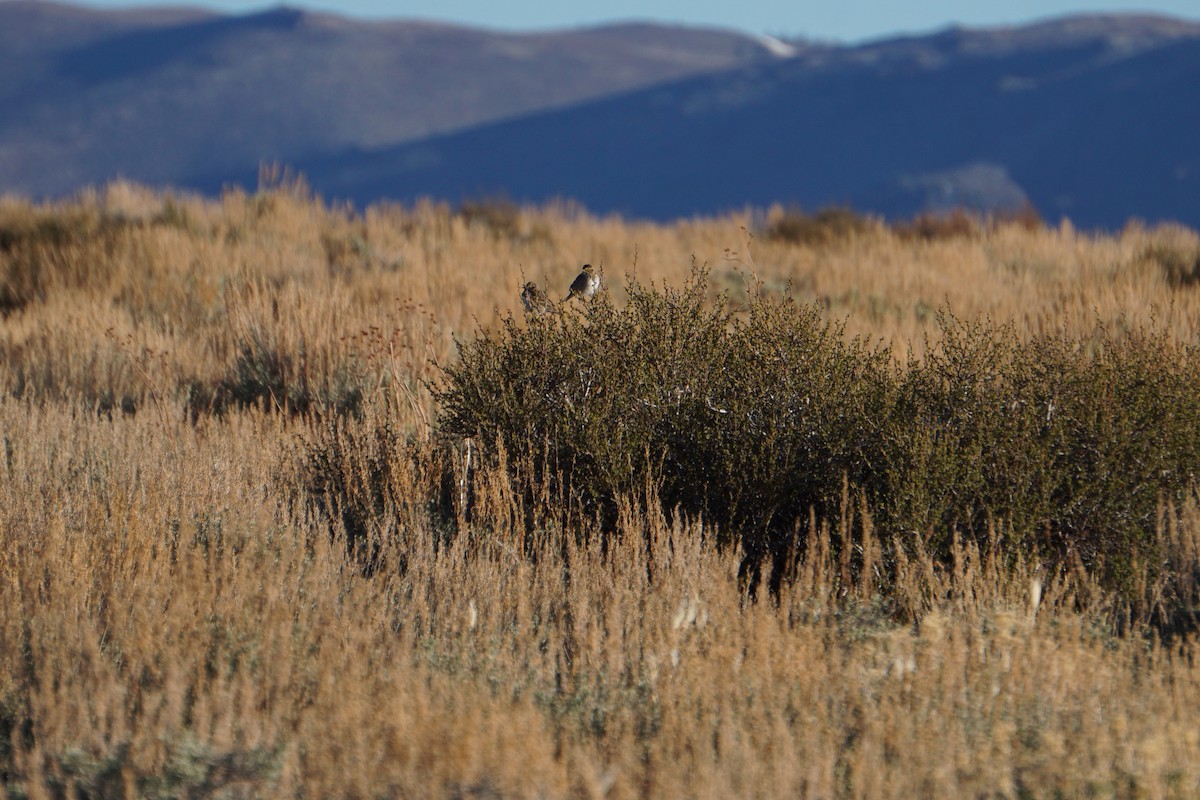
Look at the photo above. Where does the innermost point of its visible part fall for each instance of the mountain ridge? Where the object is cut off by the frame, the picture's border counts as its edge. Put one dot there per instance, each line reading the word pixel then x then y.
pixel 989 133
pixel 154 96
pixel 1086 117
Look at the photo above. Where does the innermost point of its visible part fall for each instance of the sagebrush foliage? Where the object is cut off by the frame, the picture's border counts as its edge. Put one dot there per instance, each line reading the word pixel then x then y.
pixel 1070 444
pixel 749 422
pixel 758 420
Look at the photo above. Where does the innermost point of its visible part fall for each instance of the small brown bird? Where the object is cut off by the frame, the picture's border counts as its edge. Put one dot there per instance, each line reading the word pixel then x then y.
pixel 586 284
pixel 535 300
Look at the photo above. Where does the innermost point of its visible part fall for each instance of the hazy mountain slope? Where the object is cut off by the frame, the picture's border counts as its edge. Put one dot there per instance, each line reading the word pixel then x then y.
pixel 1093 117
pixel 1096 125
pixel 35 26
pixel 156 96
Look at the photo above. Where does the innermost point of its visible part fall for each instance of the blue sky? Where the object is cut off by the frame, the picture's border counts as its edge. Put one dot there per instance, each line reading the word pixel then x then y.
pixel 846 20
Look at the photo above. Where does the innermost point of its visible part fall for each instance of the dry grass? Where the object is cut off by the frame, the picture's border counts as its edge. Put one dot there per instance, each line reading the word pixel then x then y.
pixel 175 620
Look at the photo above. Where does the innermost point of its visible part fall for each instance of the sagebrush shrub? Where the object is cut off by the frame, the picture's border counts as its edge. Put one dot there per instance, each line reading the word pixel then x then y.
pixel 757 421
pixel 1070 443
pixel 750 422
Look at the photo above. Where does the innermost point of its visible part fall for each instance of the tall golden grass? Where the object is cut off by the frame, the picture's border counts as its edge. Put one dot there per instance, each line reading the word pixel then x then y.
pixel 177 622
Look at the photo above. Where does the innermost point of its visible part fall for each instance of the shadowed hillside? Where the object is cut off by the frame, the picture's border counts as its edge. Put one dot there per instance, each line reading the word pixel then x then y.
pixel 159 96
pixel 1095 125
pixel 1091 117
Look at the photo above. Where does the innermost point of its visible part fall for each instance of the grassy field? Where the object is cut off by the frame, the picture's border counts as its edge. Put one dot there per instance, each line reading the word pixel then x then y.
pixel 242 556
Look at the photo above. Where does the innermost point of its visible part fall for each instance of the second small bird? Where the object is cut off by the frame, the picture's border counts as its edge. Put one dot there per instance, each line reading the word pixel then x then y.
pixel 535 300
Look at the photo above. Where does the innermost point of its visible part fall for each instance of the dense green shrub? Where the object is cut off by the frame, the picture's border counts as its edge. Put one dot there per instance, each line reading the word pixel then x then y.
pixel 750 422
pixel 1071 444
pixel 1066 444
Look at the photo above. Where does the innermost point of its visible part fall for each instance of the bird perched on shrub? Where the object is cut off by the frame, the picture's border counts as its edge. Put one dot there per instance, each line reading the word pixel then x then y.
pixel 534 299
pixel 586 284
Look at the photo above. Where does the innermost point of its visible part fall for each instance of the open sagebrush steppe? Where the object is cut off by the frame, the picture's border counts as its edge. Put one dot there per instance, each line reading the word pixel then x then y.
pixel 177 620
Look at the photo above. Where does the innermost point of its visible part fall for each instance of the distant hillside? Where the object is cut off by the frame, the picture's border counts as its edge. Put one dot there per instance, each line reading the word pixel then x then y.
pixel 159 95
pixel 1094 118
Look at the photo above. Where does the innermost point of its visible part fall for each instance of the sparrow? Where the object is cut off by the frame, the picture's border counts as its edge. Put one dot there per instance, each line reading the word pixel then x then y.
pixel 534 299
pixel 585 285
